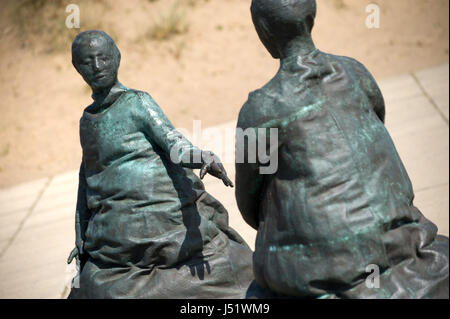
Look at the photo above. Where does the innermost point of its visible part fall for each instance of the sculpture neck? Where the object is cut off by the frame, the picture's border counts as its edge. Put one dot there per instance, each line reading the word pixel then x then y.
pixel 300 46
pixel 104 99
pixel 100 95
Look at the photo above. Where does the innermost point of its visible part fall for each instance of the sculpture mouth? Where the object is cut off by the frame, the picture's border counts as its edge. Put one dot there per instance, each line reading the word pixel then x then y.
pixel 100 76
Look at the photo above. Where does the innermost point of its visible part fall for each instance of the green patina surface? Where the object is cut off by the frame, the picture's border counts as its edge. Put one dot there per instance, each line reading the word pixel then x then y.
pixel 145 225
pixel 341 198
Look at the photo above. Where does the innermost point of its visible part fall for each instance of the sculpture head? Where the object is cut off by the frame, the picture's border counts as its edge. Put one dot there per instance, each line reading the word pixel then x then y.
pixel 278 22
pixel 96 57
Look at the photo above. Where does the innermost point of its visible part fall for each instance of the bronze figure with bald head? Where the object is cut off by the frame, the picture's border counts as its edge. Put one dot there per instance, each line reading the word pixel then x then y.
pixel 96 57
pixel 340 201
pixel 145 225
pixel 281 25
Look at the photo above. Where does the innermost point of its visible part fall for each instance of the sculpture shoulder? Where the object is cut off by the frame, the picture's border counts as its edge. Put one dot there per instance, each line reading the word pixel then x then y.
pixel 358 73
pixel 353 66
pixel 140 96
pixel 257 109
pixel 363 76
pixel 139 101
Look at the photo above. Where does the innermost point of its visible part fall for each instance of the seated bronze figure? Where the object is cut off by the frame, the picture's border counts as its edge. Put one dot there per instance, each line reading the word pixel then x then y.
pixel 341 199
pixel 145 226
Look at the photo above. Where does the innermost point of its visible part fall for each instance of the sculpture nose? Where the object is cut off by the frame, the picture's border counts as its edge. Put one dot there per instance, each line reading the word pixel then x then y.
pixel 96 64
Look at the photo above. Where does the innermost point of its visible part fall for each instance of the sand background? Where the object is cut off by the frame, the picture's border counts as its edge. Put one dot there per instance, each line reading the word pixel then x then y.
pixel 204 71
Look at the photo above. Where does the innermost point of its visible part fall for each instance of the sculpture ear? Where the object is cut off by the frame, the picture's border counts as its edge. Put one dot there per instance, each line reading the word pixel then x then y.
pixel 309 23
pixel 266 37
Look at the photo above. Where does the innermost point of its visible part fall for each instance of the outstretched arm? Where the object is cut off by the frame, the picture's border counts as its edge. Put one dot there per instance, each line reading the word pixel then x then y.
pixel 180 150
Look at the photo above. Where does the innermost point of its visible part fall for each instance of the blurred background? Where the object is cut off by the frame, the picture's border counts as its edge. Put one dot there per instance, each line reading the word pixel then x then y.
pixel 199 59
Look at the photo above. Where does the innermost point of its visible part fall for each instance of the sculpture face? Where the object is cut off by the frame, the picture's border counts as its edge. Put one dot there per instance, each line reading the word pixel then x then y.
pixel 96 62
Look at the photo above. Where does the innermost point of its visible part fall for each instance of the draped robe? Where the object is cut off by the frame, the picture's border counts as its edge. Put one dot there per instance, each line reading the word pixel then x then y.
pixel 341 201
pixel 145 226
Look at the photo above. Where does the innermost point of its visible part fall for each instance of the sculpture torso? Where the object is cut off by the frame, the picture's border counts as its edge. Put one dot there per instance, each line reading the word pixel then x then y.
pixel 153 228
pixel 340 192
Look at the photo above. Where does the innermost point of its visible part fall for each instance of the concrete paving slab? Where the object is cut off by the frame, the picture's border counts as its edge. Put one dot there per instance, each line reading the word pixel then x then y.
pixel 404 116
pixel 37 284
pixel 399 88
pixel 63 183
pixel 434 205
pixel 21 196
pixel 36 246
pixel 424 153
pixel 9 224
pixel 20 190
pixel 35 264
pixel 61 192
pixel 419 134
pixel 16 204
pixel 57 214
pixel 11 207
pixel 55 201
pixel 435 82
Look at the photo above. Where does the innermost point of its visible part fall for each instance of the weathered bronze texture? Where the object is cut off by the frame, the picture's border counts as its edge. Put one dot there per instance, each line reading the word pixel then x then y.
pixel 341 200
pixel 145 226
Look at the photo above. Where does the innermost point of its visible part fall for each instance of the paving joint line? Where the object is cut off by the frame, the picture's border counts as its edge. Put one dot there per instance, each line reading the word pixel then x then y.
pixel 430 99
pixel 426 188
pixel 22 222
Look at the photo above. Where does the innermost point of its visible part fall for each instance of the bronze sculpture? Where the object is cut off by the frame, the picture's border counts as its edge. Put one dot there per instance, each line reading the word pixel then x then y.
pixel 341 199
pixel 145 226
